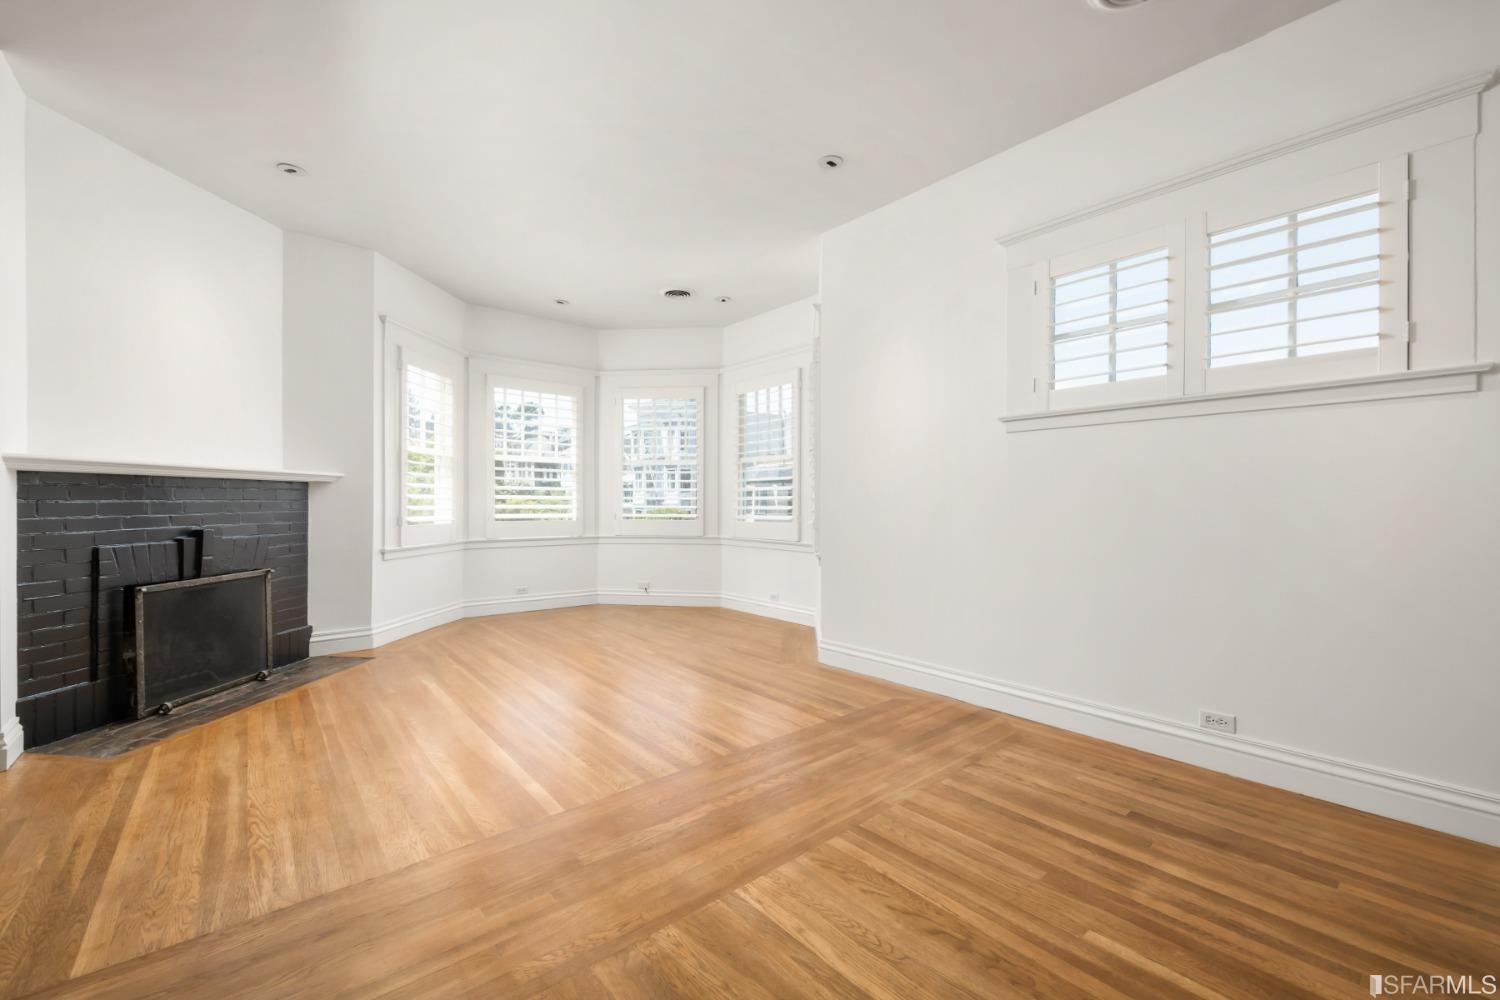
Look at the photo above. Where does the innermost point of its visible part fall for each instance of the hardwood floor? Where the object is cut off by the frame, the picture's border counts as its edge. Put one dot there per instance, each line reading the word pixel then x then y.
pixel 656 802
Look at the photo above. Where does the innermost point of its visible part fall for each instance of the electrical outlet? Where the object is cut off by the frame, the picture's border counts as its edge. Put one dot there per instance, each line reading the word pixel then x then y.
pixel 1217 721
pixel 523 590
pixel 644 586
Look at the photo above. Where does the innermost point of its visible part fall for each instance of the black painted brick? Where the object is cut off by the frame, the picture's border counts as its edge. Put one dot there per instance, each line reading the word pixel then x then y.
pixel 73 627
pixel 66 508
pixel 96 492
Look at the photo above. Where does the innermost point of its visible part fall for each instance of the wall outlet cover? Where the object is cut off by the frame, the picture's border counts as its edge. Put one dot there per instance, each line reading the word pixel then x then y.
pixel 1217 721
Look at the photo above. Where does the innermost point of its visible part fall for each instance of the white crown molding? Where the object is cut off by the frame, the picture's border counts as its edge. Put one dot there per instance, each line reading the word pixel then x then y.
pixel 1464 87
pixel 1388 385
pixel 1464 812
pixel 55 463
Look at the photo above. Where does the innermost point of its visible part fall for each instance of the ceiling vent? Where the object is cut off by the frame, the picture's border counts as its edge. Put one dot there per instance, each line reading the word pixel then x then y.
pixel 1113 5
pixel 677 293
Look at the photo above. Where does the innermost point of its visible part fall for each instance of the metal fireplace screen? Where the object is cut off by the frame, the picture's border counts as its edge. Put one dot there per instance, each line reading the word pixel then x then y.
pixel 195 637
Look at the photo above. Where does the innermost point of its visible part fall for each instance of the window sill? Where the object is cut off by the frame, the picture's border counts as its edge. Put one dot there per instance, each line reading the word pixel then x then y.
pixel 1394 385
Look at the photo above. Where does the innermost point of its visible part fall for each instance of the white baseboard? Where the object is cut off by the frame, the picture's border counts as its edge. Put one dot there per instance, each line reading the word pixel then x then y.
pixel 660 598
pixel 527 602
pixel 348 639
pixel 769 609
pixel 1464 812
pixel 11 743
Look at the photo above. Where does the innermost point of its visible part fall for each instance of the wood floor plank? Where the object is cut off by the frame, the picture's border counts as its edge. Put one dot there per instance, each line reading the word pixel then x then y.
pixel 653 802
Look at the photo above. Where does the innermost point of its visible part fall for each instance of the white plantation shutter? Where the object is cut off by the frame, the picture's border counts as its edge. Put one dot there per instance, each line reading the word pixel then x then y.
pixel 1109 322
pixel 535 452
pixel 767 451
pixel 1302 283
pixel 427 446
pixel 660 447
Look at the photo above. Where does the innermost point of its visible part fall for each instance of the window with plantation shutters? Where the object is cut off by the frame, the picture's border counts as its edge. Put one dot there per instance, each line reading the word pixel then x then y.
pixel 767 453
pixel 1109 321
pixel 661 477
pixel 428 449
pixel 534 438
pixel 1297 284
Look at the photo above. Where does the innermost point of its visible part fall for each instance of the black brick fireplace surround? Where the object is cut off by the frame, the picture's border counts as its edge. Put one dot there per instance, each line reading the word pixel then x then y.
pixel 83 540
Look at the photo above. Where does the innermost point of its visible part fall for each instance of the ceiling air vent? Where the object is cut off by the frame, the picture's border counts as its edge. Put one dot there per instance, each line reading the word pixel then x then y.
pixel 677 293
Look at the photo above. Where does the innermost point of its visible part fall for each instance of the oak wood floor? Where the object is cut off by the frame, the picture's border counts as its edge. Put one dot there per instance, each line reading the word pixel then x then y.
pixel 656 802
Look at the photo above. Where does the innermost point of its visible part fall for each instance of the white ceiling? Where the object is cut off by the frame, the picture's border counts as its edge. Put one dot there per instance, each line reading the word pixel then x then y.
pixel 518 151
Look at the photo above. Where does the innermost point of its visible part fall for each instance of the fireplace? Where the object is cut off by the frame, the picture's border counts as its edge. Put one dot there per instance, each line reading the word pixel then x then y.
pixel 89 544
pixel 197 637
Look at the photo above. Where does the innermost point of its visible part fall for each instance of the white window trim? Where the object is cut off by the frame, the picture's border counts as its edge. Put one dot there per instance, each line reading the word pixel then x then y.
pixel 1427 139
pixel 403 346
pixel 783 531
pixel 1390 178
pixel 615 496
pixel 532 529
pixel 1170 237
pixel 1394 385
pixel 1360 374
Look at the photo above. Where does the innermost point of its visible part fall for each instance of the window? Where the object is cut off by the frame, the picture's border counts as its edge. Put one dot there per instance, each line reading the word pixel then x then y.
pixel 427 445
pixel 534 453
pixel 1109 322
pixel 1295 285
pixel 660 445
pixel 1296 290
pixel 766 477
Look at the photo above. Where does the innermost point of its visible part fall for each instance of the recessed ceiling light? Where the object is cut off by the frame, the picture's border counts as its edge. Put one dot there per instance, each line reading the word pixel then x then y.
pixel 831 162
pixel 677 293
pixel 291 169
pixel 559 302
pixel 725 298
pixel 1114 5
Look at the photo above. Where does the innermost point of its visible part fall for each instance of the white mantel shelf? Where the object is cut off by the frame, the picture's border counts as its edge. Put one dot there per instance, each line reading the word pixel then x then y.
pixel 55 463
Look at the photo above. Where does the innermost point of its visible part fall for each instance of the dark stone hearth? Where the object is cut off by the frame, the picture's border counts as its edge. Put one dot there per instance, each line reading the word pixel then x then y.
pixel 122 737
pixel 84 540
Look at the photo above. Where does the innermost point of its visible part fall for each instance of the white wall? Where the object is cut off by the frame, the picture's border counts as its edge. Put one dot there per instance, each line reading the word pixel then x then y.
pixel 13 388
pixel 410 587
pixel 754 575
pixel 327 355
pixel 1327 574
pixel 502 334
pixel 154 310
pixel 417 588
pixel 524 575
pixel 639 350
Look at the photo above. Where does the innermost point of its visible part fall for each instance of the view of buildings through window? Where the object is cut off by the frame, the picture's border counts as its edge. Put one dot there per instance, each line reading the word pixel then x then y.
pixel 535 442
pixel 767 454
pixel 427 484
pixel 660 469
